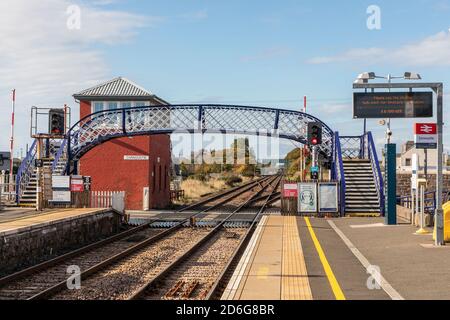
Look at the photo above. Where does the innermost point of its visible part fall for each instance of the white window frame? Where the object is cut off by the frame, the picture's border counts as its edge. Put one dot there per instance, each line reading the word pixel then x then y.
pixel 119 104
pixel 93 106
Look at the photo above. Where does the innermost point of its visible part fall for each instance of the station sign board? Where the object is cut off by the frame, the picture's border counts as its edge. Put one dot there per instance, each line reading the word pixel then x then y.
pixel 87 181
pixel 290 190
pixel 328 197
pixel 77 184
pixel 425 135
pixel 61 196
pixel 307 197
pixel 38 163
pixel 392 105
pixel 135 157
pixel 61 182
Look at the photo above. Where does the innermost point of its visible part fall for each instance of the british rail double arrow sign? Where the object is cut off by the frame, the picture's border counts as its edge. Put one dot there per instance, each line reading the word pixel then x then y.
pixel 425 135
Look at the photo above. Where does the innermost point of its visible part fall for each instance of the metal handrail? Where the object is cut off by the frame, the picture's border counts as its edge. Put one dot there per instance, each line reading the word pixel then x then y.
pixel 61 151
pixel 373 157
pixel 25 171
pixel 89 131
pixel 430 208
pixel 339 168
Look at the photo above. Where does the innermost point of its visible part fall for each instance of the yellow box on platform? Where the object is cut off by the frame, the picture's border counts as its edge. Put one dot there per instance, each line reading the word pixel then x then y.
pixel 446 208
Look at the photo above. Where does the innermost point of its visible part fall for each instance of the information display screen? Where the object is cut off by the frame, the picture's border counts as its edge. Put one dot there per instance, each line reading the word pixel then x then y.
pixel 393 105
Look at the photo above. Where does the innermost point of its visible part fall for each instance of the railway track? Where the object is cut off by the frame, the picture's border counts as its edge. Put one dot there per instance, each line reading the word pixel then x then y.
pixel 198 273
pixel 48 278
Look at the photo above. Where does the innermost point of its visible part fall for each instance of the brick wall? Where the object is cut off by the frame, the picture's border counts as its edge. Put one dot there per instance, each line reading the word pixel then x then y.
pixel 40 243
pixel 404 183
pixel 111 172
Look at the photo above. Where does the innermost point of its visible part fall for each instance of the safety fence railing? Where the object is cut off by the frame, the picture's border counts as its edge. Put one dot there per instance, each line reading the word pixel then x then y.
pixel 353 147
pixel 26 171
pixel 93 199
pixel 338 171
pixel 371 154
pixel 101 126
pixel 106 199
pixel 7 188
pixel 357 148
pixel 59 156
pixel 430 201
pixel 176 195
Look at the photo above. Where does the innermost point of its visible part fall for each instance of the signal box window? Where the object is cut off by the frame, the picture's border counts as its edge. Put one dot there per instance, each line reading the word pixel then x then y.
pixel 112 105
pixel 98 106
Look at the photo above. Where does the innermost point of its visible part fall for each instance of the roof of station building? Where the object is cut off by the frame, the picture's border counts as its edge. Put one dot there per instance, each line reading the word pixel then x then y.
pixel 117 88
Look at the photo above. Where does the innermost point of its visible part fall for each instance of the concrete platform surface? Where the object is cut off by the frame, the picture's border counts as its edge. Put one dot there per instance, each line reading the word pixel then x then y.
pixel 28 220
pixel 409 262
pixel 357 258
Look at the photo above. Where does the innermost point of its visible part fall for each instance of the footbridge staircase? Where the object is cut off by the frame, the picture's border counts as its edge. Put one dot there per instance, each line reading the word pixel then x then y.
pixel 357 168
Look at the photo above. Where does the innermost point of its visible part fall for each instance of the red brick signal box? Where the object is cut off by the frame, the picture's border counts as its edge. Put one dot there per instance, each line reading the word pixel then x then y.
pixel 138 165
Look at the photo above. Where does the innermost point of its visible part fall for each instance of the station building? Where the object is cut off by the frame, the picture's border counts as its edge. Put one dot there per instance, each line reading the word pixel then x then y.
pixel 138 165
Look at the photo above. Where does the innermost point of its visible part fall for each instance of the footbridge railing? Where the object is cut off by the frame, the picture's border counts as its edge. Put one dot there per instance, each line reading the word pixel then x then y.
pixel 338 171
pixel 362 147
pixel 373 156
pixel 108 124
pixel 26 171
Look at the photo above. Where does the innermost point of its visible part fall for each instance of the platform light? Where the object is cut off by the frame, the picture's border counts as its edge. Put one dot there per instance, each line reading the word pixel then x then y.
pixel 367 76
pixel 412 76
pixel 361 81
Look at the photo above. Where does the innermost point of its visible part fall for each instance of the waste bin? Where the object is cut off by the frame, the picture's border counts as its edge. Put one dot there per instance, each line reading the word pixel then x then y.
pixel 446 208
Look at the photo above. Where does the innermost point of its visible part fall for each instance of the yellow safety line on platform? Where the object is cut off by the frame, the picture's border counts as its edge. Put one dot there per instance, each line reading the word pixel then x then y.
pixel 326 266
pixel 295 284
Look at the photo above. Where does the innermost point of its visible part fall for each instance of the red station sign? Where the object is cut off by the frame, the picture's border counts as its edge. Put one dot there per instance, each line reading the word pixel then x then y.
pixel 76 184
pixel 425 128
pixel 290 190
pixel 425 135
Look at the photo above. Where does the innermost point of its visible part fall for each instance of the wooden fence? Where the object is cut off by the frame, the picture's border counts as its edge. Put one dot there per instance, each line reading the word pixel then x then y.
pixel 95 199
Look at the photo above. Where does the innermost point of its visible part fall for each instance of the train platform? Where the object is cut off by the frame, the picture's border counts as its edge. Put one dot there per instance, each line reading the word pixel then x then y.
pixel 28 238
pixel 21 220
pixel 298 258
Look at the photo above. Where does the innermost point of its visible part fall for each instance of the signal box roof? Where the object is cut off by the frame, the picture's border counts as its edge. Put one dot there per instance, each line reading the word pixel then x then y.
pixel 117 89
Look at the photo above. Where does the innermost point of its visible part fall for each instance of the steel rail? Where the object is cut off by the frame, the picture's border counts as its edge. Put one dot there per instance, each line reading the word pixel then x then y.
pixel 96 268
pixel 138 293
pixel 19 275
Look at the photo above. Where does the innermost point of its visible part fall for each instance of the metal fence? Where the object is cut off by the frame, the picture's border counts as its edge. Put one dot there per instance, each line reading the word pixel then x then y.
pixel 430 201
pixel 107 199
pixel 94 199
pixel 7 188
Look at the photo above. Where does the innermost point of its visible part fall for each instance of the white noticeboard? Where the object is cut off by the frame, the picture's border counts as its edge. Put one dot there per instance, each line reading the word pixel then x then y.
pixel 61 182
pixel 61 196
pixel 307 197
pixel 328 197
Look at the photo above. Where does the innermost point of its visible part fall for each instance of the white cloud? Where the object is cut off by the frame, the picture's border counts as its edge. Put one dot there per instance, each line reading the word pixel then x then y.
pixel 431 51
pixel 46 62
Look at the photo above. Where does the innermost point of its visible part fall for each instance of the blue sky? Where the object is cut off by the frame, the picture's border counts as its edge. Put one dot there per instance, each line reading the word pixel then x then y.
pixel 263 53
